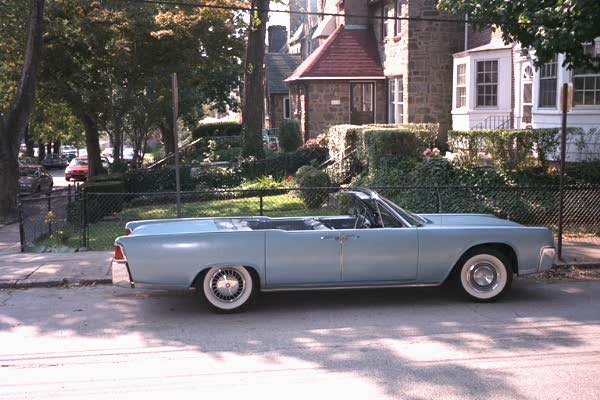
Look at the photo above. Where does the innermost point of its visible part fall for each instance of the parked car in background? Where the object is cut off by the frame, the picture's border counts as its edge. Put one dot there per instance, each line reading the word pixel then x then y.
pixel 54 161
pixel 28 161
pixel 128 154
pixel 69 151
pixel 374 244
pixel 77 169
pixel 34 179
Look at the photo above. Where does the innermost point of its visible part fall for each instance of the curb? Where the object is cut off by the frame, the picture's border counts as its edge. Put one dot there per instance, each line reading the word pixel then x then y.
pixel 54 283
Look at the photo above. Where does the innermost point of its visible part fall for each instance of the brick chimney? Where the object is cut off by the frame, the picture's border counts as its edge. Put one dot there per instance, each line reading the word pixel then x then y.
pixel 356 7
pixel 277 38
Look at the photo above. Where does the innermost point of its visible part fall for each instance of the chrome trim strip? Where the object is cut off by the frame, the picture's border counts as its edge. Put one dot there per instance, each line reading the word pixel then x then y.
pixel 159 286
pixel 341 287
pixel 120 274
pixel 546 258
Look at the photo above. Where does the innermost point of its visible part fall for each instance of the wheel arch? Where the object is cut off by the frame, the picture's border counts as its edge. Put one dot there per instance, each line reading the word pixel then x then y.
pixel 252 269
pixel 504 248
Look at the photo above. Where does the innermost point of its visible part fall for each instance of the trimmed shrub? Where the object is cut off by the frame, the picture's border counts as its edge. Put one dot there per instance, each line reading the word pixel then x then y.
pixel 217 129
pixel 281 165
pixel 312 177
pixel 99 204
pixel 356 148
pixel 289 135
pixel 584 172
pixel 158 180
pixel 217 177
pixel 510 149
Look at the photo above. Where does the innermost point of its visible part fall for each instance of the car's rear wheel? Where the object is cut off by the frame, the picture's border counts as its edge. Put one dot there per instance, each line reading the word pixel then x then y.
pixel 485 275
pixel 228 289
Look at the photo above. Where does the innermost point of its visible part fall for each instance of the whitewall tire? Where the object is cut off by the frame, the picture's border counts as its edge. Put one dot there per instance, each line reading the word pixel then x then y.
pixel 228 289
pixel 485 275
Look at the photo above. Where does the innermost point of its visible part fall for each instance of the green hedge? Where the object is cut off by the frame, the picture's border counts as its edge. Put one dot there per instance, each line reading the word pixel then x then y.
pixel 282 164
pixel 311 177
pixel 356 148
pixel 97 205
pixel 158 180
pixel 510 149
pixel 289 135
pixel 217 129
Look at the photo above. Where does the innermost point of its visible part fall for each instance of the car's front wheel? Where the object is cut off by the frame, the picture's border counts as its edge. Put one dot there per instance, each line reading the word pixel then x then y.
pixel 485 275
pixel 228 289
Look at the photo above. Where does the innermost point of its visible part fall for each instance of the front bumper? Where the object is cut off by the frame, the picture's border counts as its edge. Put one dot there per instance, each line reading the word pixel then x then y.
pixel 547 255
pixel 120 275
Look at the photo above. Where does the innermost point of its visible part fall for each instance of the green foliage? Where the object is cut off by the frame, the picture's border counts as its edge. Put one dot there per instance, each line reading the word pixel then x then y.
pixel 289 135
pixel 118 166
pixel 101 199
pixel 229 153
pixel 585 172
pixel 217 129
pixel 158 180
pixel 356 148
pixel 281 165
pixel 267 182
pixel 548 27
pixel 510 149
pixel 311 177
pixel 217 177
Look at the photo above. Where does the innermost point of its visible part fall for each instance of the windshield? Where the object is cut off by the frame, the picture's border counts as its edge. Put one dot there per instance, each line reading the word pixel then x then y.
pixel 79 162
pixel 410 217
pixel 28 171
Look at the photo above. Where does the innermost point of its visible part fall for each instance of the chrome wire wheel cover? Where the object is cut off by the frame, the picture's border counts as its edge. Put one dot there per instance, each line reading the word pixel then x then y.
pixel 227 284
pixel 484 276
pixel 228 287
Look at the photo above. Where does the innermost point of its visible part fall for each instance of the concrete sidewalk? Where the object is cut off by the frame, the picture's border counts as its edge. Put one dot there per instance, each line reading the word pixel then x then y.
pixel 22 270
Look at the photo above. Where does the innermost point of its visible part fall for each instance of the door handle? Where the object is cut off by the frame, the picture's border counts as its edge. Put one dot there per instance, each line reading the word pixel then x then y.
pixel 330 237
pixel 349 237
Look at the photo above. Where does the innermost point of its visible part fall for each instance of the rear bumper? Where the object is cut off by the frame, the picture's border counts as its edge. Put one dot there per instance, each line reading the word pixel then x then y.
pixel 120 275
pixel 547 255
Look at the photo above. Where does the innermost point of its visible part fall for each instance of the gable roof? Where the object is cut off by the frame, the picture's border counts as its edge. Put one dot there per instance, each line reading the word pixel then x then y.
pixel 278 67
pixel 347 53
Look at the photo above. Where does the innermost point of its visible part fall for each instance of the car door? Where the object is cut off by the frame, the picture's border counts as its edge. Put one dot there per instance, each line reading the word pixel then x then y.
pixel 379 255
pixel 309 258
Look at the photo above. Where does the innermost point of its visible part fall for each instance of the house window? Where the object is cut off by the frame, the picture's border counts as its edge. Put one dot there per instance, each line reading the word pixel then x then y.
pixel 461 85
pixel 586 88
pixel 396 100
pixel 398 13
pixel 487 83
pixel 287 114
pixel 548 84
pixel 388 12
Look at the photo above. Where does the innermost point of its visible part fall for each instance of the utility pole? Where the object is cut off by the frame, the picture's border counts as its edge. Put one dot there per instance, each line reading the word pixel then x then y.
pixel 176 141
pixel 563 151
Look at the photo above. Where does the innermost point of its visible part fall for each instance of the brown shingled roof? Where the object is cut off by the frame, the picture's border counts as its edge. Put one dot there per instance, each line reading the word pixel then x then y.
pixel 347 53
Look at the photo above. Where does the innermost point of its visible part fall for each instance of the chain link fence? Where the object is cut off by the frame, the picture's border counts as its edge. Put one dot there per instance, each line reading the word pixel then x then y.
pixel 94 220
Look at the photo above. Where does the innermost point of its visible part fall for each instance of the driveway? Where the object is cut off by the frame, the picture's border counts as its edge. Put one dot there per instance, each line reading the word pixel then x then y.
pixel 541 342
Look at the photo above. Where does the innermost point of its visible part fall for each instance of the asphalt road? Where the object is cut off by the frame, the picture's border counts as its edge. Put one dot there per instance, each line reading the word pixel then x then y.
pixel 541 342
pixel 58 177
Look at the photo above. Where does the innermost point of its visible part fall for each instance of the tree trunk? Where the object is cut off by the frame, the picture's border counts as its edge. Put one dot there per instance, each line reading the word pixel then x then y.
pixel 13 125
pixel 92 145
pixel 41 151
pixel 56 149
pixel 253 107
pixel 168 140
pixel 29 142
pixel 48 148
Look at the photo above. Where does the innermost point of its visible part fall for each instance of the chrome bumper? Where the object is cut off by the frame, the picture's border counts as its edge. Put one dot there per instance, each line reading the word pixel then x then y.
pixel 547 256
pixel 120 275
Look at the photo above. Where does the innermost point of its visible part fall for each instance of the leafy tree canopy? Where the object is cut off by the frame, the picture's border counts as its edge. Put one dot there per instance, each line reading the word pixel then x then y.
pixel 548 26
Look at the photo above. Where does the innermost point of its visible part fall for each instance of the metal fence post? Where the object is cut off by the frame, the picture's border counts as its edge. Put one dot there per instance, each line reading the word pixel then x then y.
pixel 439 197
pixel 563 151
pixel 49 199
pixel 21 227
pixel 69 194
pixel 83 218
pixel 261 210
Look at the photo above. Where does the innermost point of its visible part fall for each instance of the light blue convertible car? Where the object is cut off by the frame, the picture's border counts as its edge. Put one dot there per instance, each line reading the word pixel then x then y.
pixel 378 244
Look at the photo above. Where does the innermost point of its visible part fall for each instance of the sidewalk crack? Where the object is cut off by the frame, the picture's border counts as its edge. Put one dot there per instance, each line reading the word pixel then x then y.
pixel 8 297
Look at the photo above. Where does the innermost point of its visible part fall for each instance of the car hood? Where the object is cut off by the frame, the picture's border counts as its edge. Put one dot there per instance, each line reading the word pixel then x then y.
pixel 26 180
pixel 467 220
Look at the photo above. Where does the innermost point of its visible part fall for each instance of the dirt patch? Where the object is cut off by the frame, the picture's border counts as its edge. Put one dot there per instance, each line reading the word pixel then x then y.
pixel 571 272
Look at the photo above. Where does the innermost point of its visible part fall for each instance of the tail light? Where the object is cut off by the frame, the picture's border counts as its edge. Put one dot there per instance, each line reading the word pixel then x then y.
pixel 128 231
pixel 119 253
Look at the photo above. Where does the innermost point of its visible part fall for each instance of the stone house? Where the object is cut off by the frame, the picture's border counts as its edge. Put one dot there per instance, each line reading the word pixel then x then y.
pixel 369 67
pixel 497 86
pixel 278 66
